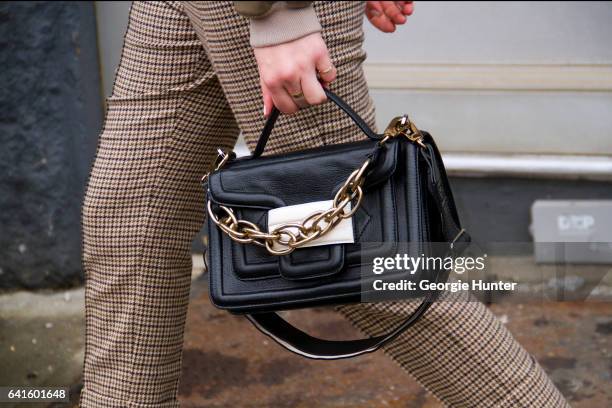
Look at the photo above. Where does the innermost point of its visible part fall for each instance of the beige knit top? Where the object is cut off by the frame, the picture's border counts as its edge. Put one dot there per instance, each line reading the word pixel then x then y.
pixel 276 22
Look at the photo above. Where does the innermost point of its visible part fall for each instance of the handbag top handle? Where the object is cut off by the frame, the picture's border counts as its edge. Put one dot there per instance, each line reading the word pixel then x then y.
pixel 267 130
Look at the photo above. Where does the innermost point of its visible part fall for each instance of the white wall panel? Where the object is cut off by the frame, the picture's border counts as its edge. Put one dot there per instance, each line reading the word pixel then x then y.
pixel 484 77
pixel 511 122
pixel 577 32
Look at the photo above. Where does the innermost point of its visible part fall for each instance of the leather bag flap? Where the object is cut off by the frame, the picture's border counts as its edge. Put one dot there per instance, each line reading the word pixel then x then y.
pixel 251 187
pixel 313 175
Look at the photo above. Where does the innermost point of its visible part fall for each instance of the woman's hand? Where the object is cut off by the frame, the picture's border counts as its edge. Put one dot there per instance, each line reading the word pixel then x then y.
pixel 385 15
pixel 289 73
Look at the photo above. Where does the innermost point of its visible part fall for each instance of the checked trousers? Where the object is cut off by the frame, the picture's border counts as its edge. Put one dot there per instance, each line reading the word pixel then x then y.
pixel 186 85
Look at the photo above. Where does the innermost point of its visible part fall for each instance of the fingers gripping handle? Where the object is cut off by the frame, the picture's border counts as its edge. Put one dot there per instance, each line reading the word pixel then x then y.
pixel 267 130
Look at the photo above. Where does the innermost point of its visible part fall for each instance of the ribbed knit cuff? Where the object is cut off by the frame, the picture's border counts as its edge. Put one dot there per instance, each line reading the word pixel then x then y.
pixel 283 25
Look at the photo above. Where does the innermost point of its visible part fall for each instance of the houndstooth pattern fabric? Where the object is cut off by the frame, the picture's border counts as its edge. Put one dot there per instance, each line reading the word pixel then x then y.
pixel 186 85
pixel 461 353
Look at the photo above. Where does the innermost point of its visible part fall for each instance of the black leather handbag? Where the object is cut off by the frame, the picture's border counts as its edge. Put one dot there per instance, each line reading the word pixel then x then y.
pixel 265 213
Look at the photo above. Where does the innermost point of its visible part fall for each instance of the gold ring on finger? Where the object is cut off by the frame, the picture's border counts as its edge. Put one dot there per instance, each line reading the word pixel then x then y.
pixel 327 70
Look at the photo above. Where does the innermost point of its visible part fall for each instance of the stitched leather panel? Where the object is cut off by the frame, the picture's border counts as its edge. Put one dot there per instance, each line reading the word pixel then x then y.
pixel 252 187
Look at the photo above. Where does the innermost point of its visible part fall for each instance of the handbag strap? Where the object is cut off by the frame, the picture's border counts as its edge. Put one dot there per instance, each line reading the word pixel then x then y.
pixel 305 345
pixel 267 130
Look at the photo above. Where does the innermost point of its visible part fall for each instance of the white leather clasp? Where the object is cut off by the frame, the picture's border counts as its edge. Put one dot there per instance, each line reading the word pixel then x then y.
pixel 340 234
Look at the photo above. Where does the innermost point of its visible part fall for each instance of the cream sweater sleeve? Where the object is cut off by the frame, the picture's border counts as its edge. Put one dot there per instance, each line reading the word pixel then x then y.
pixel 276 22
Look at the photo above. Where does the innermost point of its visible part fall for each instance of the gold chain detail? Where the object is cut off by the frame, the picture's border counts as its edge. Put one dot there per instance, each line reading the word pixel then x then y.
pixel 403 126
pixel 285 238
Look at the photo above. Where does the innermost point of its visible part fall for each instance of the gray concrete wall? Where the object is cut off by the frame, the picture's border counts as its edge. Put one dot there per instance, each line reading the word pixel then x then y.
pixel 497 210
pixel 50 115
